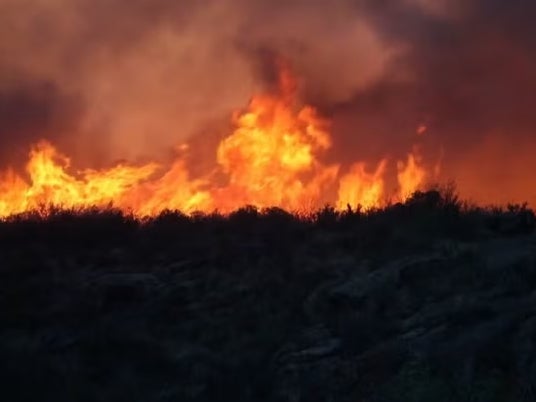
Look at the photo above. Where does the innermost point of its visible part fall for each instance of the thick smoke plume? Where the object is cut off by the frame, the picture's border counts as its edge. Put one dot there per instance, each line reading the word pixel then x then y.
pixel 108 79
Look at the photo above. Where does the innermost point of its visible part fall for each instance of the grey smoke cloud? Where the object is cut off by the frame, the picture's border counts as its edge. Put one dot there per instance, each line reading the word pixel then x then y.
pixel 472 79
pixel 152 72
pixel 132 78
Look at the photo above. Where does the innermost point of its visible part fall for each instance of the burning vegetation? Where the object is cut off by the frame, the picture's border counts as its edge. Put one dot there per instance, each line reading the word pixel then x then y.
pixel 302 250
pixel 272 158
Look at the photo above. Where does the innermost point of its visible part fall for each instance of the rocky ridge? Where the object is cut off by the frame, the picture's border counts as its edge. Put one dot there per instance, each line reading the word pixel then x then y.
pixel 417 303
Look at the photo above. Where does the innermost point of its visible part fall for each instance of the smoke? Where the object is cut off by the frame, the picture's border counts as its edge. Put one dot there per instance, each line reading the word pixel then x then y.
pixel 32 110
pixel 470 77
pixel 127 79
pixel 150 73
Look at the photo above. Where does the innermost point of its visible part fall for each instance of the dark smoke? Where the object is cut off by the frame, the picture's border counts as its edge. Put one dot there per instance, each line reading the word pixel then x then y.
pixel 132 78
pixel 31 111
pixel 472 81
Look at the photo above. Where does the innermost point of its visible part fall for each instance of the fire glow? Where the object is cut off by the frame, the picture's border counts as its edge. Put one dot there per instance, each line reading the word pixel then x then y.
pixel 271 159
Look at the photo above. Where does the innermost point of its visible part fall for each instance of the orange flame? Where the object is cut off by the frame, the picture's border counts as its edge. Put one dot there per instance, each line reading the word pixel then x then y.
pixel 270 159
pixel 359 188
pixel 411 176
pixel 52 185
pixel 274 145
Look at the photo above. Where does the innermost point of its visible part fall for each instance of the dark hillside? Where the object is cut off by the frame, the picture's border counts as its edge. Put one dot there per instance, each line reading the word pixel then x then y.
pixel 432 300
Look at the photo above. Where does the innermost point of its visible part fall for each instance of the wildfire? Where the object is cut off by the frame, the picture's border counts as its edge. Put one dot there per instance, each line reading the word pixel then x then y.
pixel 361 188
pixel 410 175
pixel 273 146
pixel 272 158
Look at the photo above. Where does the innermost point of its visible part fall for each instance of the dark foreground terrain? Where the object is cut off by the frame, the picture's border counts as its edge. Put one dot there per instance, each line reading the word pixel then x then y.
pixel 427 301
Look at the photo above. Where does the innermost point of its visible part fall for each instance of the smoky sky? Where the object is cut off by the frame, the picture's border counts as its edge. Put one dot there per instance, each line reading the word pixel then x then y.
pixel 127 79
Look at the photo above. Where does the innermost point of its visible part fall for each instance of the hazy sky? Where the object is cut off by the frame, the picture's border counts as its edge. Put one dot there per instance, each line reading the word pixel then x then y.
pixel 128 78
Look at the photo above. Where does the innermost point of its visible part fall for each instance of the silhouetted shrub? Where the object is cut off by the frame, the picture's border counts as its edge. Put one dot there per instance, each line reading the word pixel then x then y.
pixel 99 305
